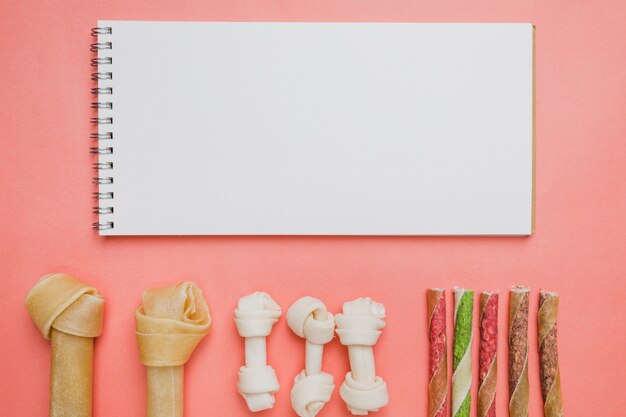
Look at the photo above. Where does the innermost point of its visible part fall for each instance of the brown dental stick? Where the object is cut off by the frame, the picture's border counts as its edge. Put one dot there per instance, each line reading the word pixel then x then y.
pixel 548 355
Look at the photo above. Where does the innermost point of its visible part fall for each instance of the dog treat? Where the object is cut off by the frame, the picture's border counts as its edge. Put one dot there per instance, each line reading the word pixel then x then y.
pixel 170 323
pixel 518 352
pixel 462 352
pixel 438 385
pixel 254 317
pixel 359 328
pixel 488 360
pixel 548 356
pixel 312 389
pixel 69 313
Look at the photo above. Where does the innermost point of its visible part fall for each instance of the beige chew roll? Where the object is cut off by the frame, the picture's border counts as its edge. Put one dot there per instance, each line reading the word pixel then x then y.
pixel 170 323
pixel 69 313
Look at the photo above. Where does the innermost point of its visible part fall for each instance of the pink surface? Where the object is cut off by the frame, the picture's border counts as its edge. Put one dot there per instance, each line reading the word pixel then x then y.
pixel 578 248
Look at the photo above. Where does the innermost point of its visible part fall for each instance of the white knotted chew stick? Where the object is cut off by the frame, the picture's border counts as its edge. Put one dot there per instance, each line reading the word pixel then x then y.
pixel 254 317
pixel 359 328
pixel 312 389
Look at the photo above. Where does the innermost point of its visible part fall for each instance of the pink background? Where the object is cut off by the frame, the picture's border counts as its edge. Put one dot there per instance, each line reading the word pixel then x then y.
pixel 578 248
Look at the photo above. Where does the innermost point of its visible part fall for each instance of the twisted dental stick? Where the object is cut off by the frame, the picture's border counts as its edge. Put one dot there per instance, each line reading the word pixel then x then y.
pixel 462 352
pixel 548 355
pixel 488 360
pixel 518 352
pixel 438 385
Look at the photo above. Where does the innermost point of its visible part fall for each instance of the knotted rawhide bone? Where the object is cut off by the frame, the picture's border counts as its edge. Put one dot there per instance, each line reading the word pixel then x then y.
pixel 548 356
pixel 170 323
pixel 254 317
pixel 69 313
pixel 488 359
pixel 462 352
pixel 438 385
pixel 309 318
pixel 518 352
pixel 359 328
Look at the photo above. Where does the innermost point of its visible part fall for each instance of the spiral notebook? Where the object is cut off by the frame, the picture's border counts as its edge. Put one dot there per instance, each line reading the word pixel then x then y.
pixel 313 128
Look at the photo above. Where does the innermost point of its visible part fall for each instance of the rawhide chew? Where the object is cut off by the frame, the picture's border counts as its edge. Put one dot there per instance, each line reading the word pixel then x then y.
pixel 170 323
pixel 488 360
pixel 312 389
pixel 69 313
pixel 359 327
pixel 518 352
pixel 548 355
pixel 462 352
pixel 254 317
pixel 438 363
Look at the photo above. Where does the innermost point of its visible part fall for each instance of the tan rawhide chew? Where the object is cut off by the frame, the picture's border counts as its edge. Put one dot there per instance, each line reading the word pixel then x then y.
pixel 359 328
pixel 254 317
pixel 170 323
pixel 312 389
pixel 69 313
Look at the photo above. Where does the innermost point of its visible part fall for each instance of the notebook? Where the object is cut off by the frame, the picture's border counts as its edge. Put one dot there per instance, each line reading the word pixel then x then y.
pixel 227 128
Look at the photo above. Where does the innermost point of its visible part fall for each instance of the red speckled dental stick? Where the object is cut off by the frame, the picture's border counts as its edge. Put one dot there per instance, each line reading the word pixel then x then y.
pixel 438 385
pixel 488 361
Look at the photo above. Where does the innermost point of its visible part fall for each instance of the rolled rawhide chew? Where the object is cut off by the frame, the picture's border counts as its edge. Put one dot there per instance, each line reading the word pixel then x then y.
pixel 548 355
pixel 254 317
pixel 462 352
pixel 359 327
pixel 518 352
pixel 170 323
pixel 487 359
pixel 312 389
pixel 438 363
pixel 69 313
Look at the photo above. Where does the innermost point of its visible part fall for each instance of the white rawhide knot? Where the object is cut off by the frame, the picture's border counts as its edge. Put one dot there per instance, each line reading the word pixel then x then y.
pixel 309 318
pixel 254 317
pixel 359 328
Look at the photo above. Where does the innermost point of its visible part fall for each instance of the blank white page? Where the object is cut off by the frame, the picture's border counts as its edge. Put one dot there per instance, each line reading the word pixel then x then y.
pixel 318 128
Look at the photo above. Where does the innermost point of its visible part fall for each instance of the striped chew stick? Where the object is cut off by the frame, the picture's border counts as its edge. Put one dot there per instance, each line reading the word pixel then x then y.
pixel 548 357
pixel 488 361
pixel 438 385
pixel 518 352
pixel 462 350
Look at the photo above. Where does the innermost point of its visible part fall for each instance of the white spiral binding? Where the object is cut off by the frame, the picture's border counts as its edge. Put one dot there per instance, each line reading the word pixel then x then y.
pixel 104 180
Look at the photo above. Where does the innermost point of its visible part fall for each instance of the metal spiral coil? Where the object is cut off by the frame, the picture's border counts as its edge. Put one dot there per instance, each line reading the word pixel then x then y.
pixel 105 105
pixel 102 76
pixel 102 226
pixel 102 180
pixel 101 31
pixel 103 196
pixel 95 47
pixel 101 61
pixel 102 210
pixel 102 120
pixel 102 165
pixel 101 151
pixel 104 117
pixel 97 91
pixel 101 136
